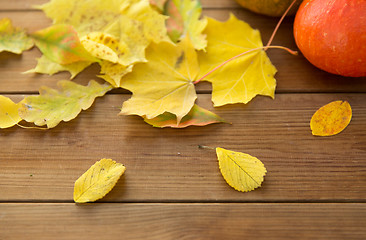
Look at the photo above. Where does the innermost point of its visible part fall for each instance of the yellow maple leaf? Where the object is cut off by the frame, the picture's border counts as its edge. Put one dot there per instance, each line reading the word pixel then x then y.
pixel 331 119
pixel 243 78
pixel 52 106
pixel 46 66
pixel 9 115
pixel 97 181
pixel 164 83
pixel 13 39
pixel 241 171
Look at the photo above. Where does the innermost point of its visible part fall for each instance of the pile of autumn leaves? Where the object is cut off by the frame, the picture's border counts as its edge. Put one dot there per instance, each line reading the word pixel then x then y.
pixel 158 50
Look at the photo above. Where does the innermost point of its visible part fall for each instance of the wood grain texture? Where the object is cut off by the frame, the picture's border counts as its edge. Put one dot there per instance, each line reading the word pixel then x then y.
pixel 165 165
pixel 182 221
pixel 28 4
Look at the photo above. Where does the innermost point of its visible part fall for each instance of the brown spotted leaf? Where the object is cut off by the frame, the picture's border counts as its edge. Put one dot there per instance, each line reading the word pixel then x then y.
pixel 331 119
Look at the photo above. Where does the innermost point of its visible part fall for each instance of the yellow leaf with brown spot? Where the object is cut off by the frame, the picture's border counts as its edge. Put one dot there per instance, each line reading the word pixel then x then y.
pixel 97 181
pixel 331 119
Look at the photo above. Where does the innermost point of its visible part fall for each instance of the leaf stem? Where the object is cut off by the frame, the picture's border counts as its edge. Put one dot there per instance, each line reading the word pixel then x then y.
pixel 278 25
pixel 241 54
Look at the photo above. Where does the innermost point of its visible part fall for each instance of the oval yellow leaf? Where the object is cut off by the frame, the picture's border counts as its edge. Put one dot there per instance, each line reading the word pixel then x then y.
pixel 241 171
pixel 331 119
pixel 97 181
pixel 9 115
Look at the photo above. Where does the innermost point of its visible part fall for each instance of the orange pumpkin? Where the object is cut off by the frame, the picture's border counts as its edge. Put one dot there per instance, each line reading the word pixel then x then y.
pixel 269 7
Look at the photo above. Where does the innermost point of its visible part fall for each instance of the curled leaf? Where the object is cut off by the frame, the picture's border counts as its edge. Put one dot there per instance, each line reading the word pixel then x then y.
pixel 241 171
pixel 198 116
pixel 97 181
pixel 52 106
pixel 9 115
pixel 13 39
pixel 331 119
pixel 60 43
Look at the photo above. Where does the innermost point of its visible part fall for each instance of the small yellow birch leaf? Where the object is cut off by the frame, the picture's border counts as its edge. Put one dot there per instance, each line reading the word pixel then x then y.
pixel 13 39
pixel 331 119
pixel 242 79
pixel 46 66
pixel 9 115
pixel 97 181
pixel 164 83
pixel 241 171
pixel 53 106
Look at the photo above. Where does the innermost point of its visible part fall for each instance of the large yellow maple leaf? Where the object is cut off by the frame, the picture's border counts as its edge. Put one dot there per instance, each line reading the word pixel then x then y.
pixel 164 83
pixel 242 79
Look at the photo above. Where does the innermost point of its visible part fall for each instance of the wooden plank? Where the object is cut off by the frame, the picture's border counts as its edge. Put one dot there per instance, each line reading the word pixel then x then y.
pixel 28 4
pixel 295 74
pixel 182 221
pixel 166 164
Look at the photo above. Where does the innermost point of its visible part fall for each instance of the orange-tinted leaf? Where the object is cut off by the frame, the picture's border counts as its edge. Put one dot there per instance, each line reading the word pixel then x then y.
pixel 174 24
pixel 61 44
pixel 184 20
pixel 331 119
pixel 196 117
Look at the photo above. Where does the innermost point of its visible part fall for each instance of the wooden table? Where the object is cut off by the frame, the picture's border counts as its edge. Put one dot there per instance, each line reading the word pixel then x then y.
pixel 315 187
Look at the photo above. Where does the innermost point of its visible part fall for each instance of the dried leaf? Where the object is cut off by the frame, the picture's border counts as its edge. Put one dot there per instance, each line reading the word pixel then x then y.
pixel 61 44
pixel 241 171
pixel 243 78
pixel 13 39
pixel 97 181
pixel 196 117
pixel 331 119
pixel 46 66
pixel 184 20
pixel 9 115
pixel 164 83
pixel 52 106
